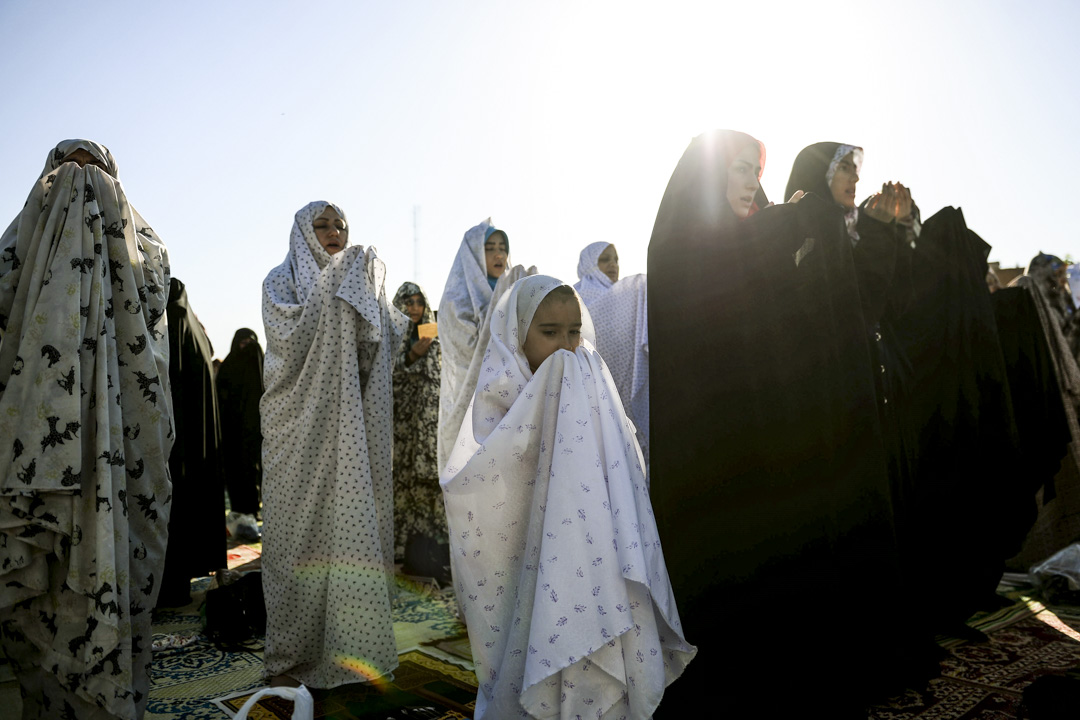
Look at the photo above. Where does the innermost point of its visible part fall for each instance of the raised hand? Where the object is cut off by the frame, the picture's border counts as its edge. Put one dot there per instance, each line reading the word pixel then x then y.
pixel 892 203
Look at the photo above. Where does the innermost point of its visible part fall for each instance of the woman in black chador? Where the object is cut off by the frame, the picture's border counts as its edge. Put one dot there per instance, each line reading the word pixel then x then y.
pixel 240 387
pixel 770 479
pixel 195 463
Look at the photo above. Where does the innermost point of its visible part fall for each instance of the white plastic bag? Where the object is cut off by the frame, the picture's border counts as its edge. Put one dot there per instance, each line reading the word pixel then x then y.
pixel 1058 577
pixel 303 703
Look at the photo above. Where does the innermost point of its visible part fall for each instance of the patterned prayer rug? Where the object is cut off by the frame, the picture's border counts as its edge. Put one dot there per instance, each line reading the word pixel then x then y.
pixel 424 687
pixel 185 682
pixel 986 680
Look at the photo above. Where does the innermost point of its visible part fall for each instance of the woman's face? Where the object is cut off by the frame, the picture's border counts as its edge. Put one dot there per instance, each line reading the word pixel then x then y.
pixel 82 157
pixel 495 252
pixel 555 326
pixel 608 262
pixel 742 180
pixel 844 181
pixel 414 307
pixel 331 231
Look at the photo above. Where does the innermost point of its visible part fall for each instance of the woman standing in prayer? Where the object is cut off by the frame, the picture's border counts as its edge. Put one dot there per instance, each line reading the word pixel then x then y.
pixel 477 280
pixel 195 462
pixel 240 388
pixel 1058 521
pixel 327 425
pixel 619 309
pixel 769 480
pixel 597 271
pixel 419 514
pixel 87 428
pixel 557 562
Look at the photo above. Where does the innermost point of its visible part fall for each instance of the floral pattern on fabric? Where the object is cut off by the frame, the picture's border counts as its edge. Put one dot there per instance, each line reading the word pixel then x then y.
pixel 418 503
pixel 327 423
pixel 87 429
pixel 621 319
pixel 557 562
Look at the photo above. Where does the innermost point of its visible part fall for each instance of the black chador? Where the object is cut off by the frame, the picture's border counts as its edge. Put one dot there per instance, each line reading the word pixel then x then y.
pixel 769 473
pixel 196 534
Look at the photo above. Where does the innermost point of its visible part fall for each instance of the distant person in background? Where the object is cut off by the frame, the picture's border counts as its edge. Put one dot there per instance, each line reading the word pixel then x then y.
pixel 327 425
pixel 477 279
pixel 195 462
pixel 620 313
pixel 87 428
pixel 240 387
pixel 1058 522
pixel 419 514
pixel 597 270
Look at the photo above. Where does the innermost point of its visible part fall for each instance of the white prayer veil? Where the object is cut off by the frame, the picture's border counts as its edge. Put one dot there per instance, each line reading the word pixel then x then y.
pixel 556 559
pixel 591 281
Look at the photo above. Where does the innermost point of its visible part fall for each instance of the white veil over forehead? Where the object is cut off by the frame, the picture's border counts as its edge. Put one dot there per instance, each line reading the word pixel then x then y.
pixel 467 292
pixel 307 256
pixel 557 564
pixel 505 371
pixel 66 147
pixel 464 330
pixel 591 281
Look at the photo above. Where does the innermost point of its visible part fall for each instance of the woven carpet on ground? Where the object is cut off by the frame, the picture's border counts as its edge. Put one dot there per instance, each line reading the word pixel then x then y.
pixel 186 682
pixel 986 680
pixel 424 688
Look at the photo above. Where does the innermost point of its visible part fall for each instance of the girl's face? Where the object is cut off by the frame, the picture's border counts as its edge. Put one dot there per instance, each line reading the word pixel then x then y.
pixel 843 182
pixel 414 308
pixel 742 180
pixel 555 326
pixel 331 231
pixel 608 262
pixel 495 252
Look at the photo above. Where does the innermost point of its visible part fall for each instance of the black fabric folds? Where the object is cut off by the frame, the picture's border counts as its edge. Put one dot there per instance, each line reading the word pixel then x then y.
pixel 964 486
pixel 1040 415
pixel 196 544
pixel 239 388
pixel 769 474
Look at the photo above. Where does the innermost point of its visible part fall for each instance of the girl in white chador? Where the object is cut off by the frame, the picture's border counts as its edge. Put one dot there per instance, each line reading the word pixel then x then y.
pixel 555 553
pixel 619 309
pixel 480 275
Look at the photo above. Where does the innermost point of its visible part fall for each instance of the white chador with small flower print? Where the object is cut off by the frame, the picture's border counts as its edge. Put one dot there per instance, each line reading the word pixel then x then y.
pixel 327 423
pixel 555 553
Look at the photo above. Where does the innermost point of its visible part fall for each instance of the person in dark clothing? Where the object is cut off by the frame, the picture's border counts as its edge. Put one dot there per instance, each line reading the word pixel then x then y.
pixel 194 549
pixel 240 387
pixel 963 489
pixel 1041 422
pixel 1058 521
pixel 770 480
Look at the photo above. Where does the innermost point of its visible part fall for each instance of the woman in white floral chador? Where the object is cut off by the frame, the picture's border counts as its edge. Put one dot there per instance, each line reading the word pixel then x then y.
pixel 327 421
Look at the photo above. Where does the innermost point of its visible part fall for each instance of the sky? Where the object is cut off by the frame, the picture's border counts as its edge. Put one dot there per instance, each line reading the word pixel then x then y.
pixel 562 121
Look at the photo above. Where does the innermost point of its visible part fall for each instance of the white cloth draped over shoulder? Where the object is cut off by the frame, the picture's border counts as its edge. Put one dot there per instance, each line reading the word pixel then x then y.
pixel 556 559
pixel 327 423
pixel 621 318
pixel 592 283
pixel 86 423
pixel 464 312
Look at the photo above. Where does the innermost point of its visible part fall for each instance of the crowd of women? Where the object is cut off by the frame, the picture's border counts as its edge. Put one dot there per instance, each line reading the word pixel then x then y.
pixel 844 448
